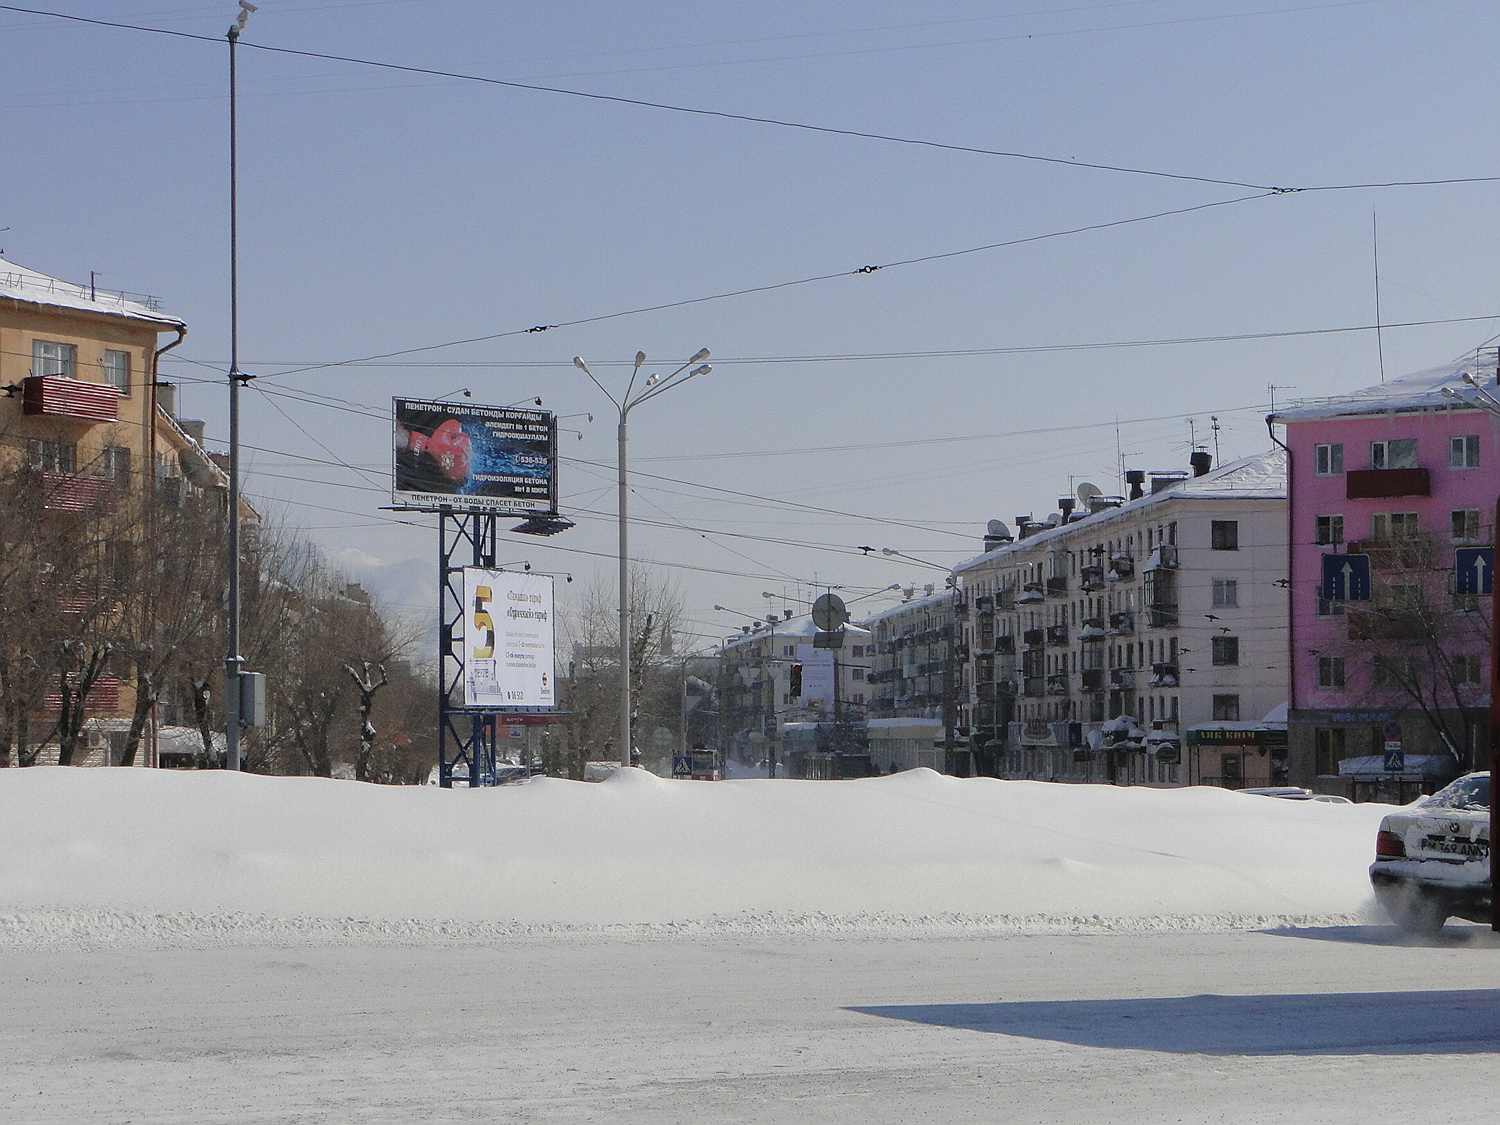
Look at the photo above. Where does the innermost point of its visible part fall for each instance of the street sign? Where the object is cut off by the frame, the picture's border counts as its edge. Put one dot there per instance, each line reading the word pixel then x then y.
pixel 829 611
pixel 1395 756
pixel 1474 570
pixel 1346 578
pixel 682 765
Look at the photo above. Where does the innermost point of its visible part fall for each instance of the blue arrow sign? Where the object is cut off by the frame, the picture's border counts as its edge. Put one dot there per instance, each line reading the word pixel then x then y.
pixel 1474 570
pixel 1346 578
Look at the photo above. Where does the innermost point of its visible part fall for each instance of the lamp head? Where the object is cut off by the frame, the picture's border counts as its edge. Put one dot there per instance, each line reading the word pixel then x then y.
pixel 701 369
pixel 578 363
pixel 699 356
pixel 640 358
pixel 887 551
pixel 651 380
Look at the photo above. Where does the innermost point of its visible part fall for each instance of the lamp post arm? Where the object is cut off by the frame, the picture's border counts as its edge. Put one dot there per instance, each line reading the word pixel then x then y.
pixel 660 386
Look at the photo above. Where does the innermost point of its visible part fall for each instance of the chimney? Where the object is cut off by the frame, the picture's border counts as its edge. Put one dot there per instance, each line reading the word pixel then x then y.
pixel 193 427
pixel 166 397
pixel 1065 506
pixel 1136 478
pixel 1163 479
pixel 1201 460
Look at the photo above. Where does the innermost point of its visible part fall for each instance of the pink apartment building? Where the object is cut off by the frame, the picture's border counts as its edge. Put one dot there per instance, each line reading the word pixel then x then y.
pixel 1398 482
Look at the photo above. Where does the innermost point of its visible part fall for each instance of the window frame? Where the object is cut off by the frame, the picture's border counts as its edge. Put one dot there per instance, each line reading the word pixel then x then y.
pixel 1221 707
pixel 1462 445
pixel 1230 646
pixel 1325 455
pixel 67 356
pixel 1472 528
pixel 1331 672
pixel 1328 531
pixel 1220 530
pixel 1383 454
pixel 1226 593
pixel 108 372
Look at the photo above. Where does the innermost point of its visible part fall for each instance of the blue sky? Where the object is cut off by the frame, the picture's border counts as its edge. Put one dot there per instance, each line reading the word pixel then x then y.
pixel 383 211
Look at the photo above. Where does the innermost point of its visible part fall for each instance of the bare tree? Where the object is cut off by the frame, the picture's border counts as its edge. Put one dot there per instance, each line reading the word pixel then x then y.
pixel 368 688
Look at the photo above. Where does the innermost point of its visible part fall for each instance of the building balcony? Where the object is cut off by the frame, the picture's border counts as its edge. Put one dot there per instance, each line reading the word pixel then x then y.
pixel 1057 634
pixel 1163 557
pixel 1122 679
pixel 1164 616
pixel 1031 593
pixel 1057 587
pixel 1414 550
pixel 1164 673
pixel 1093 679
pixel 1057 685
pixel 1093 629
pixel 1091 578
pixel 961 610
pixel 1122 623
pixel 1122 566
pixel 1032 638
pixel 1005 644
pixel 1005 600
pixel 53 396
pixel 1033 687
pixel 1378 484
pixel 69 492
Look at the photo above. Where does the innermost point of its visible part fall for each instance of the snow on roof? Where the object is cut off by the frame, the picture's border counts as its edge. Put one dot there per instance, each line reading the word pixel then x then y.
pixel 1421 390
pixel 793 628
pixel 1261 477
pixel 927 601
pixel 21 283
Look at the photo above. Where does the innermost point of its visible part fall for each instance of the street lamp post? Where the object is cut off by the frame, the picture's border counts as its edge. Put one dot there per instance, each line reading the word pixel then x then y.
pixel 654 386
pixel 232 661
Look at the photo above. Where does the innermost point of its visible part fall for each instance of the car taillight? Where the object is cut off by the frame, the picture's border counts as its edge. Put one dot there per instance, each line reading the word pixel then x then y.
pixel 1388 845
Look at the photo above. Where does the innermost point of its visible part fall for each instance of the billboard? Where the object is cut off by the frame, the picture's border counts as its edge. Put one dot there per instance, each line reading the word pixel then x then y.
pixel 473 458
pixel 509 642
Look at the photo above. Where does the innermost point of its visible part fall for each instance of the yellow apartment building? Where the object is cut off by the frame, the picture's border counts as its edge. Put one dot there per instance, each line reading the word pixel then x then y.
pixel 82 404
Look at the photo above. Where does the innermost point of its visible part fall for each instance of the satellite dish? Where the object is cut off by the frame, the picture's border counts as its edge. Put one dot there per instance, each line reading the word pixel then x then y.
pixel 829 612
pixel 1087 491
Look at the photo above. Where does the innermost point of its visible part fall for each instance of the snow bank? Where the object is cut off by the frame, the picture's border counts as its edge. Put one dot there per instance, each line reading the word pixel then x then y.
pixel 89 855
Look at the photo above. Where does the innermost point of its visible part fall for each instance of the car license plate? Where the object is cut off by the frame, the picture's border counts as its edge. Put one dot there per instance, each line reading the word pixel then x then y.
pixel 1463 849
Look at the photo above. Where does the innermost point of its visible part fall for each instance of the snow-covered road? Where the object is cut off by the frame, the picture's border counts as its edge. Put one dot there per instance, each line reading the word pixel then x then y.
pixel 1315 1025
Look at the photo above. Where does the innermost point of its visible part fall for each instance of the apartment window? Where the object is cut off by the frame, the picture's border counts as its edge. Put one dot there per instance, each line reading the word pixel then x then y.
pixel 1332 745
pixel 859 650
pixel 1463 452
pixel 1226 650
pixel 1465 525
pixel 1331 671
pixel 52 456
pixel 1330 529
pixel 788 650
pixel 115 465
pixel 1226 593
pixel 1330 459
pixel 1227 708
pixel 1386 526
pixel 116 368
pixel 1398 453
pixel 1224 535
pixel 51 358
pixel 859 673
pixel 1329 607
pixel 1466 669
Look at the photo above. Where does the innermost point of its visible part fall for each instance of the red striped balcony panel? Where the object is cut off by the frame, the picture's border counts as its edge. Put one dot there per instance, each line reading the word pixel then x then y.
pixel 104 698
pixel 68 492
pixel 56 397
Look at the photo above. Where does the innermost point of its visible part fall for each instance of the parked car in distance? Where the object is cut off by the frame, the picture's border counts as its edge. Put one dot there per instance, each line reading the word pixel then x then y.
pixel 1285 792
pixel 1432 859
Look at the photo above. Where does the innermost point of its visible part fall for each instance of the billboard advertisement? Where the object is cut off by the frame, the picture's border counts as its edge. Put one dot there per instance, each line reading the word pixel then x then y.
pixel 817 676
pixel 509 643
pixel 473 458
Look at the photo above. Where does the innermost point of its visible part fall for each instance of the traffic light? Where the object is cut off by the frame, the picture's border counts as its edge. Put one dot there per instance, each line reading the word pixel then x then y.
pixel 796 681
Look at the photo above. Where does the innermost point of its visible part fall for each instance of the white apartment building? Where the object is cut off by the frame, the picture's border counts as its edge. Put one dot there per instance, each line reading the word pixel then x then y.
pixel 757 670
pixel 1097 639
pixel 914 644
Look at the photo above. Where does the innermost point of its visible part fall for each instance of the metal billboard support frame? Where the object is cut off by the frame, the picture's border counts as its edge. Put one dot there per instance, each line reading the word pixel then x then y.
pixel 464 736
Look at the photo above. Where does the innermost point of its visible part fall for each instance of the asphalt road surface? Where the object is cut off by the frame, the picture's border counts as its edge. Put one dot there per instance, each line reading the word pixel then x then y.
pixel 1306 1026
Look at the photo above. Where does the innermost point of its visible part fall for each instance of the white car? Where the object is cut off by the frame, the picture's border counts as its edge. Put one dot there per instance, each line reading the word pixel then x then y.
pixel 1432 860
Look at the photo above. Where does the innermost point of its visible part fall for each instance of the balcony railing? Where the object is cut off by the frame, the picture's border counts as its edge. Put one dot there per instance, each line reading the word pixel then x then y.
pixel 1033 687
pixel 1005 600
pixel 1164 616
pixel 1005 644
pixel 1031 592
pixel 1092 578
pixel 1032 638
pixel 1057 685
pixel 55 396
pixel 1164 673
pixel 1122 566
pixel 1057 634
pixel 69 492
pixel 1378 484
pixel 1057 587
pixel 1093 679
pixel 1122 622
pixel 1122 679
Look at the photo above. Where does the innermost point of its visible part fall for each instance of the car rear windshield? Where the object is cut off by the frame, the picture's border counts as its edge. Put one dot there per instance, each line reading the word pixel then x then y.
pixel 1465 793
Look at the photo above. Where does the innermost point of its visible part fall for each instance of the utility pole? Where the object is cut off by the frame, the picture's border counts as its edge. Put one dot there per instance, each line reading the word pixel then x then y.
pixel 950 701
pixel 232 661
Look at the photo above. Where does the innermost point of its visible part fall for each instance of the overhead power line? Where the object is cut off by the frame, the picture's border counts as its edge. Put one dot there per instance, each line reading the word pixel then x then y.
pixel 755 119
